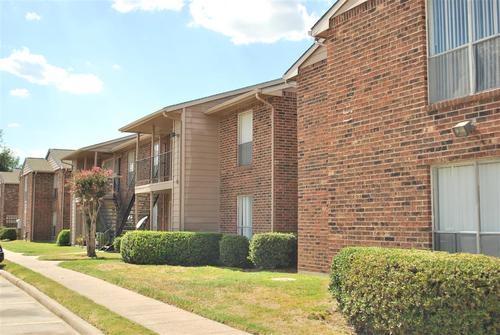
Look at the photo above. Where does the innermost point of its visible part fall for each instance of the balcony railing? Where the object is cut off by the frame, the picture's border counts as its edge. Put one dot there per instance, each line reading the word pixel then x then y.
pixel 154 169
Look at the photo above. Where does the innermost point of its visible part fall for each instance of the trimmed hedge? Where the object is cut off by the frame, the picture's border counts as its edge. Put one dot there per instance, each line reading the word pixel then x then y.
pixel 117 242
pixel 394 291
pixel 8 234
pixel 273 250
pixel 174 248
pixel 64 238
pixel 234 251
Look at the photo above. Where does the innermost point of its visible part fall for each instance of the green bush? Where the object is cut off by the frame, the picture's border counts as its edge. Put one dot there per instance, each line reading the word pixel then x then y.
pixel 8 234
pixel 234 251
pixel 117 243
pixel 273 250
pixel 393 291
pixel 64 238
pixel 175 248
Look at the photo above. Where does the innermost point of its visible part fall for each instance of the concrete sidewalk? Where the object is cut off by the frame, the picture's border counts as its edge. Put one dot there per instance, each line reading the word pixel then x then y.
pixel 153 314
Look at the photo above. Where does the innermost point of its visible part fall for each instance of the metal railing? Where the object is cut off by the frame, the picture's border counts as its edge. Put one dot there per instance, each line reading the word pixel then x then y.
pixel 154 169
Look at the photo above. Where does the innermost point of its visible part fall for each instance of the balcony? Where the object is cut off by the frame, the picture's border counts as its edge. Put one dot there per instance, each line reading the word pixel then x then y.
pixel 154 170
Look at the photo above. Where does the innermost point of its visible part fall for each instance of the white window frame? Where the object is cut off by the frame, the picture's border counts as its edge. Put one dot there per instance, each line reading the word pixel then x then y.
pixel 240 121
pixel 242 227
pixel 131 158
pixel 435 203
pixel 470 50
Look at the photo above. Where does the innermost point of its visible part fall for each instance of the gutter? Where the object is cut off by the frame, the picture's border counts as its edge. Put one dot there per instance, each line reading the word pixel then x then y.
pixel 265 102
pixel 33 189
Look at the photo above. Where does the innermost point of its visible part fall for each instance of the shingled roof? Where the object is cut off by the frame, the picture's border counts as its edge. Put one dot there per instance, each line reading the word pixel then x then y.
pixel 10 177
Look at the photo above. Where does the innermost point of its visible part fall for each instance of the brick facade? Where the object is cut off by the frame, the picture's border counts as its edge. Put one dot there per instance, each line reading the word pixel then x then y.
pixel 9 197
pixel 35 206
pixel 255 180
pixel 367 136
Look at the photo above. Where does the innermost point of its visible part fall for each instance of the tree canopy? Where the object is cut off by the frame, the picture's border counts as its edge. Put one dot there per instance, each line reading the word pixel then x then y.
pixel 8 160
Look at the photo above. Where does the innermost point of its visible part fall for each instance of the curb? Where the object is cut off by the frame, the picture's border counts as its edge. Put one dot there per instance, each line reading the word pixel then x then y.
pixel 65 314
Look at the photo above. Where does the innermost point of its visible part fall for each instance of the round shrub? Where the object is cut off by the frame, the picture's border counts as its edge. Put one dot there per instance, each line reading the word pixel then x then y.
pixel 143 247
pixel 234 251
pixel 273 250
pixel 8 234
pixel 394 291
pixel 117 243
pixel 175 248
pixel 64 238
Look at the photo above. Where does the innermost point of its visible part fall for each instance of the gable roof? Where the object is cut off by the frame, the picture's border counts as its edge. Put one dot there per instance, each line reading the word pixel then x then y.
pixel 133 126
pixel 317 51
pixel 55 157
pixel 294 69
pixel 337 8
pixel 103 147
pixel 36 165
pixel 10 177
pixel 270 90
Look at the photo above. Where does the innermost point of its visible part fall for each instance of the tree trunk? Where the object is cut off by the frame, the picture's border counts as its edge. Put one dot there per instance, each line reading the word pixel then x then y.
pixel 92 231
pixel 91 240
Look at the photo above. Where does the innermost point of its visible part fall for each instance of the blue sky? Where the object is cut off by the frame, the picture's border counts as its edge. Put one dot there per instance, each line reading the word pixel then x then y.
pixel 73 72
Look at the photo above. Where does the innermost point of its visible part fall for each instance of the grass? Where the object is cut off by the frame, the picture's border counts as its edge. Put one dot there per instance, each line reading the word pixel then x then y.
pixel 295 304
pixel 249 300
pixel 97 315
pixel 53 252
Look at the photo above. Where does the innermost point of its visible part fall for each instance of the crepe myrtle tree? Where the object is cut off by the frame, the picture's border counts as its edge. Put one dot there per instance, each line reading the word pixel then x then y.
pixel 89 187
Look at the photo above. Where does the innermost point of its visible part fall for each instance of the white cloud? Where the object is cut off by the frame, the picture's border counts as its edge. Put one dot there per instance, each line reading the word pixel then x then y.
pixel 13 125
pixel 116 67
pixel 35 69
pixel 32 16
pixel 257 21
pixel 125 6
pixel 19 92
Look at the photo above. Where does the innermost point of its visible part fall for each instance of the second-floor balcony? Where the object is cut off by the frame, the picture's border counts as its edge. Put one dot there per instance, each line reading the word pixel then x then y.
pixel 155 169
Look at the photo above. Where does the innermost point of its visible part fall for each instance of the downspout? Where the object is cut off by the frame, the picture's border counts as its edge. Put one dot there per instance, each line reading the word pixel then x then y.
pixel 182 164
pixel 265 102
pixel 32 226
pixel 62 197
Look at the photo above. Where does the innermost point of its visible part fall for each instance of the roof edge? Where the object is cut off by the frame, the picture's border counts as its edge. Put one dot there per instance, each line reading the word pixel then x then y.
pixel 189 103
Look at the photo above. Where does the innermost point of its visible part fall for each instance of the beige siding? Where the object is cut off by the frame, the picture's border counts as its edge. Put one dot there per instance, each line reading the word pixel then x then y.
pixel 175 147
pixel 201 167
pixel 317 56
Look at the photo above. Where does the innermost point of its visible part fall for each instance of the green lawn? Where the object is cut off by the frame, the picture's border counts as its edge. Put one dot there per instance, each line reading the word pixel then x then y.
pixel 53 252
pixel 260 302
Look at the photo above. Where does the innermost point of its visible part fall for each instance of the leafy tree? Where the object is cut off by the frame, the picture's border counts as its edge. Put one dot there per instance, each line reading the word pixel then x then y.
pixel 8 161
pixel 89 187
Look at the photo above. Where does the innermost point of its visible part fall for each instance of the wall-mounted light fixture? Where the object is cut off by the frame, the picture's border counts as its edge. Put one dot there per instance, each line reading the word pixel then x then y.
pixel 172 134
pixel 463 129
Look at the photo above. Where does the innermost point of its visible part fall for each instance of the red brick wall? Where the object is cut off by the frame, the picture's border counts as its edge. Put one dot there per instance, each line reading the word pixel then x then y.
pixel 285 162
pixel 9 198
pixel 38 219
pixel 255 180
pixel 42 202
pixel 368 137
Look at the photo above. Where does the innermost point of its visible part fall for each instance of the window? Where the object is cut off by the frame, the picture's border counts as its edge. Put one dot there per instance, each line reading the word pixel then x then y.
pixel 464 47
pixel 245 137
pixel 130 167
pixel 156 159
pixel 245 216
pixel 466 205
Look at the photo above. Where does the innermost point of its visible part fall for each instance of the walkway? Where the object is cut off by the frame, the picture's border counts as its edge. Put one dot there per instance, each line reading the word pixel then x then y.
pixel 21 314
pixel 153 314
